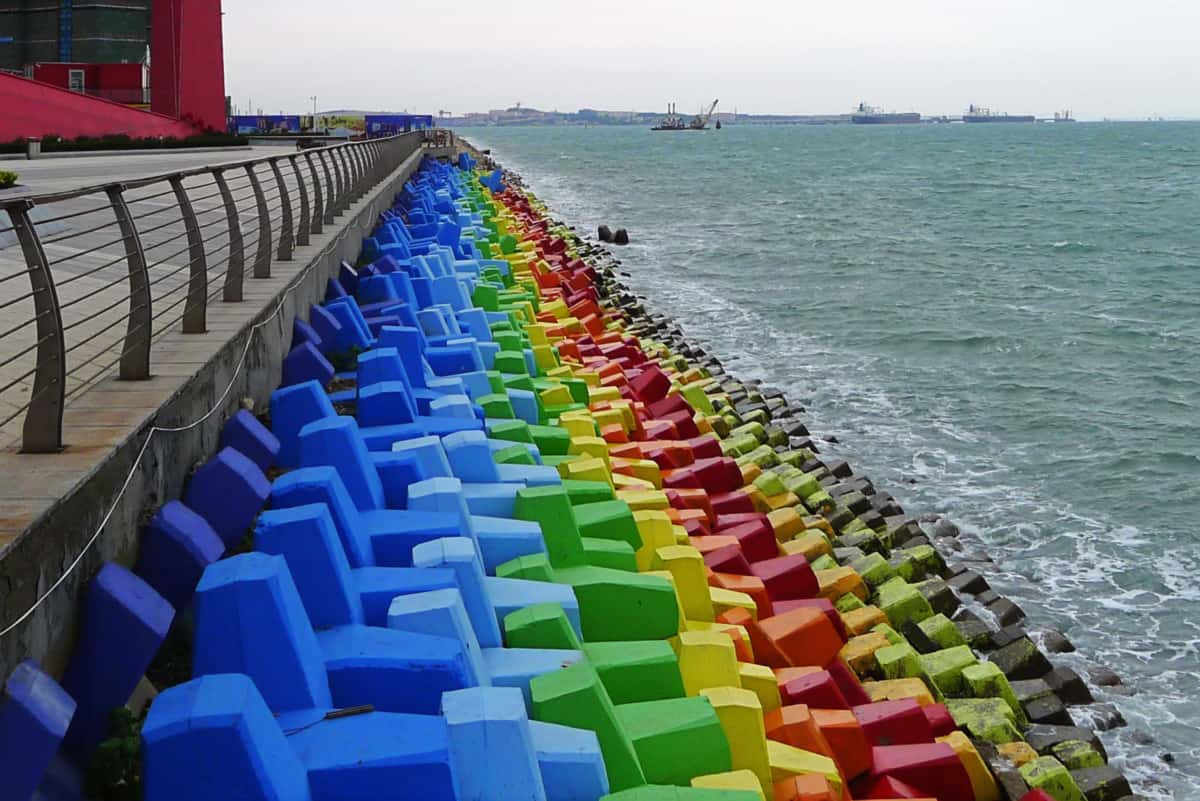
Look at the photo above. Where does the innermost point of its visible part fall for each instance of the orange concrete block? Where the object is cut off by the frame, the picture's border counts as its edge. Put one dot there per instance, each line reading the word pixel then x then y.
pixel 838 581
pixel 795 726
pixel 843 732
pixel 750 472
pixel 859 652
pixel 712 542
pixel 765 650
pixel 805 788
pixel 805 636
pixel 751 585
pixel 860 621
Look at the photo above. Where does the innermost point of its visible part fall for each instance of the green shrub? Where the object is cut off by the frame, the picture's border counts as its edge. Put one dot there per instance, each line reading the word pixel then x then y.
pixel 7 179
pixel 115 770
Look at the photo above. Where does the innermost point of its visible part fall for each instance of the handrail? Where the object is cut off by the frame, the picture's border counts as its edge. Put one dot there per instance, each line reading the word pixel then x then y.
pixel 115 294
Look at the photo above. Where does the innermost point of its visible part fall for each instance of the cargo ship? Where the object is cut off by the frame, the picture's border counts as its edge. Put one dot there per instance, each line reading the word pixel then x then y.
pixel 980 114
pixel 869 115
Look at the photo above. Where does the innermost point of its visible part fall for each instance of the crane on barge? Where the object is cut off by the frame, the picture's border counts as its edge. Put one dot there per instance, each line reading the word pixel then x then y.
pixel 673 122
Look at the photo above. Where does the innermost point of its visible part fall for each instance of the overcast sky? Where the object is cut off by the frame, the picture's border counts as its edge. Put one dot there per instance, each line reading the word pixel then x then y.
pixel 1114 58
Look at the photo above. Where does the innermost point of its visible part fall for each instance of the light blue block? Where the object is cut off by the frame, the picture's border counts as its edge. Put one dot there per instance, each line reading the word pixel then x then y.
pixel 323 485
pixel 491 499
pixel 570 762
pixel 460 554
pixel 470 457
pixel 337 442
pixel 503 539
pixel 377 587
pixel 516 667
pixel 439 613
pixel 429 453
pixel 452 406
pixel 507 595
pixel 489 732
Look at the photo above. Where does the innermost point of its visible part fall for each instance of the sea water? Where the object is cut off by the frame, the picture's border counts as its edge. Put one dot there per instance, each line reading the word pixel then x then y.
pixel 997 322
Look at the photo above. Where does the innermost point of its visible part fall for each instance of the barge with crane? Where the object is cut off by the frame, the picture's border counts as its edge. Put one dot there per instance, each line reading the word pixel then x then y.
pixel 674 122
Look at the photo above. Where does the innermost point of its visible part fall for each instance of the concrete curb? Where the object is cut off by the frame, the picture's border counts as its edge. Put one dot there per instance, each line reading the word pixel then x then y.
pixel 151 152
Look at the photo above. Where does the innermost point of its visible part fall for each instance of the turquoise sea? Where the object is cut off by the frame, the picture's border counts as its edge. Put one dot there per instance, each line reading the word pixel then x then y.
pixel 998 323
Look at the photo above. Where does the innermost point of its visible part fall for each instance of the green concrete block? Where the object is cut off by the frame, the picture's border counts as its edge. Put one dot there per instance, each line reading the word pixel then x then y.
pixel 848 603
pixel 540 626
pixel 902 602
pixel 509 341
pixel 1076 755
pixel 942 631
pixel 796 458
pixel 676 740
pixel 738 446
pixel 486 297
pixel 988 719
pixel 824 562
pixel 987 680
pixel 534 567
pixel 574 696
pixel 757 416
pixel 776 437
pixel 496 382
pixel 894 637
pixel 945 668
pixel 928 558
pixel 551 440
pixel 873 568
pixel 854 526
pixel 755 430
pixel 763 456
pixel 905 566
pixel 609 520
pixel 514 454
pixel 1047 773
pixel 899 661
pixel 770 484
pixel 805 485
pixel 577 387
pixel 496 405
pixel 820 502
pixel 636 671
pixel 616 605
pixel 864 539
pixel 583 493
pixel 550 507
pixel 511 362
pixel 613 554
pixel 511 431
pixel 658 792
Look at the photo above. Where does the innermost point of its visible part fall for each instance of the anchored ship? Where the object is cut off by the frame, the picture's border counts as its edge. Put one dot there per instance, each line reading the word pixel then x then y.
pixel 673 122
pixel 869 115
pixel 980 114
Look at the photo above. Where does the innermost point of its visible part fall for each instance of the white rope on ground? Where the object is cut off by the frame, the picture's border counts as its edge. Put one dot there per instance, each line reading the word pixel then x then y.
pixel 295 282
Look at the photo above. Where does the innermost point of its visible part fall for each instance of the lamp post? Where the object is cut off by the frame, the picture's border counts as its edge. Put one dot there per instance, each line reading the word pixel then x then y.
pixel 313 98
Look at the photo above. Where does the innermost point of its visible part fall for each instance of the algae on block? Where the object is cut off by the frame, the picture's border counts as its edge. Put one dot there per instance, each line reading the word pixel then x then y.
pixel 1047 773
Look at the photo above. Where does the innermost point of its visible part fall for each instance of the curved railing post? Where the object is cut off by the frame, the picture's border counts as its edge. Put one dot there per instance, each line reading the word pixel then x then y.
pixel 318 214
pixel 360 170
pixel 348 153
pixel 286 243
pixel 331 186
pixel 135 355
pixel 339 172
pixel 232 290
pixel 42 429
pixel 195 308
pixel 305 218
pixel 262 260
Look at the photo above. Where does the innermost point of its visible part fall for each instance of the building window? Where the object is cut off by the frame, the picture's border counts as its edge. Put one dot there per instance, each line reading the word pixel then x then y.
pixel 75 81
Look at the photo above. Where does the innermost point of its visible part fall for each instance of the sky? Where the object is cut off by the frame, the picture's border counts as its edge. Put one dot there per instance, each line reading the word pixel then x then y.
pixel 1099 58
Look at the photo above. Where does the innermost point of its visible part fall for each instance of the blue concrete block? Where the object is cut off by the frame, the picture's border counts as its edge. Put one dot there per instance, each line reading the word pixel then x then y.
pixel 214 738
pixel 516 667
pixel 487 354
pixel 489 731
pixel 250 619
pixel 306 363
pixel 377 587
pixel 228 491
pixel 336 442
pixel 459 406
pixel 177 546
pixel 395 671
pixel 396 533
pixel 292 408
pixel 376 289
pixel 348 277
pixel 334 290
pixel 439 613
pixel 433 324
pixel 524 403
pixel 34 715
pixel 303 332
pixel 255 441
pixel 460 554
pixel 323 485
pixel 410 344
pixel 381 364
pixel 430 454
pixel 507 595
pixel 469 456
pixel 454 359
pixel 385 403
pixel 306 538
pixel 474 322
pixel 326 325
pixel 443 495
pixel 124 623
pixel 353 334
pixel 475 384
pixel 502 539
pixel 529 475
pixel 397 470
pixel 570 762
pixel 491 499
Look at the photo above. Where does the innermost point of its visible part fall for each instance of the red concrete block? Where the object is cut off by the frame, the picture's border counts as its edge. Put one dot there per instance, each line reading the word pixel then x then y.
pixel 932 768
pixel 667 455
pixel 695 527
pixel 845 736
pixel 940 721
pixel 1037 795
pixel 717 475
pixel 690 499
pixel 754 533
pixel 750 585
pixel 893 789
pixel 661 429
pixel 683 422
pixel 848 683
pixel 708 447
pixel 732 502
pixel 669 405
pixel 786 577
pixel 681 478
pixel 817 690
pixel 707 543
pixel 650 385
pixel 823 605
pixel 894 722
pixel 730 560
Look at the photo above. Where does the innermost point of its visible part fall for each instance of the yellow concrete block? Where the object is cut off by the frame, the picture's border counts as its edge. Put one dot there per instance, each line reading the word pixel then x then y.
pixel 836 582
pixel 786 523
pixel 706 659
pixel 981 778
pixel 816 521
pixel 681 536
pixel 666 574
pixel 597 394
pixel 723 600
pixel 1017 753
pixel 610 417
pixel 859 652
pixel 733 780
pixel 623 482
pixel 587 469
pixel 783 500
pixel 760 680
pixel 645 469
pixel 741 717
pixel 625 407
pixel 739 633
pixel 860 621
pixel 592 446
pixel 687 566
pixel 750 472
pixel 898 690
pixel 787 761
pixel 589 377
pixel 563 468
pixel 645 499
pixel 578 426
pixel 545 358
pixel 656 531
pixel 563 371
pixel 556 395
pixel 812 543
pixel 537 334
pixel 702 424
pixel 758 498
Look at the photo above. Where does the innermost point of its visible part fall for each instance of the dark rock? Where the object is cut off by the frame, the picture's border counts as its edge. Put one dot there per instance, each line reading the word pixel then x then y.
pixel 1105 677
pixel 939 595
pixel 1021 659
pixel 811 466
pixel 1104 783
pixel 987 596
pixel 968 581
pixel 1030 689
pixel 873 520
pixel 1068 686
pixel 887 506
pixel 605 233
pixel 1167 757
pixel 929 517
pixel 1049 709
pixel 831 438
pixel 918 639
pixel 847 555
pixel 1142 737
pixel 1006 612
pixel 1108 717
pixel 839 468
pixel 1012 785
pixel 1055 642
pixel 796 428
pixel 1042 738
pixel 944 528
pixel 839 518
pixel 974 632
pixel 916 541
pixel 1007 635
pixel 620 237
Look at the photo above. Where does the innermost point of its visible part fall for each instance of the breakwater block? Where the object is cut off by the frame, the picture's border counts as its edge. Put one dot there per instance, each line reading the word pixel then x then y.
pixel 34 715
pixel 124 623
pixel 489 731
pixel 604 233
pixel 245 433
pixel 306 363
pixel 620 237
pixel 176 548
pixel 228 491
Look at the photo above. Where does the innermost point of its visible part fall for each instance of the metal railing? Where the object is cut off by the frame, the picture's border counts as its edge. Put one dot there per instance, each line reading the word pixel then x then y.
pixel 91 278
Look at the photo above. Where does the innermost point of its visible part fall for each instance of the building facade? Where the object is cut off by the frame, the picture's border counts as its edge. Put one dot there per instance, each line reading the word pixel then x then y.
pixel 72 31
